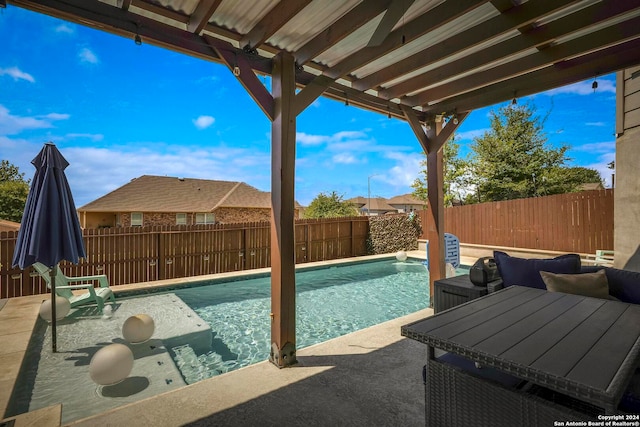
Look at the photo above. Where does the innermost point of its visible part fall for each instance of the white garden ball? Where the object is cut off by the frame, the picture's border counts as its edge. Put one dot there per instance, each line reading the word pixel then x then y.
pixel 111 364
pixel 401 256
pixel 137 329
pixel 63 306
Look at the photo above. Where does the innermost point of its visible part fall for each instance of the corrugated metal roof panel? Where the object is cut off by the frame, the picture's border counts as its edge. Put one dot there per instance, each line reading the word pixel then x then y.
pixel 471 19
pixel 317 16
pixel 241 16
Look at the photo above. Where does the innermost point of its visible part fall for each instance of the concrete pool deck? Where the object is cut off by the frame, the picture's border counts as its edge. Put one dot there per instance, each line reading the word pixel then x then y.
pixel 369 377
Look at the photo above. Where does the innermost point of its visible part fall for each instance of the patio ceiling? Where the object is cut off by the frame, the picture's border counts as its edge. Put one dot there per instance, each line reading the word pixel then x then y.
pixel 437 57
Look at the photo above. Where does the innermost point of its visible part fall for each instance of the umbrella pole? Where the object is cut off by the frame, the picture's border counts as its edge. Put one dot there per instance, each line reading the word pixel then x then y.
pixel 52 274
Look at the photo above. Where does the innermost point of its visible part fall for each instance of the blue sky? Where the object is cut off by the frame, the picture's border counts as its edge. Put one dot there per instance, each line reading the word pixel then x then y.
pixel 118 111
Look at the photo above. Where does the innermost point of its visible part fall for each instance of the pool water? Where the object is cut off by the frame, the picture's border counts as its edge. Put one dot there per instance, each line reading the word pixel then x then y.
pixel 330 302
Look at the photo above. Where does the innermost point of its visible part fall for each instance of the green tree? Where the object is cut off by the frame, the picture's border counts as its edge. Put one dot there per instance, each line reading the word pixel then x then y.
pixel 513 161
pixel 13 192
pixel 573 177
pixel 455 175
pixel 329 206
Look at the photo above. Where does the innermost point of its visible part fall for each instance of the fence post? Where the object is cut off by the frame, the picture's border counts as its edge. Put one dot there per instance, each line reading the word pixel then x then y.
pixel 161 256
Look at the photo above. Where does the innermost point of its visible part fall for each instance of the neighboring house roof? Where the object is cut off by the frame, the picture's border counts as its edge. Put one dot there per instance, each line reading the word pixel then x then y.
pixel 377 204
pixel 358 201
pixel 6 225
pixel 150 193
pixel 405 199
pixel 591 186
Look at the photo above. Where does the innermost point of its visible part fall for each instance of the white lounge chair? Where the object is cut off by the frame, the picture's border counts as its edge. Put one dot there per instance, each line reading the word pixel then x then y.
pixel 64 287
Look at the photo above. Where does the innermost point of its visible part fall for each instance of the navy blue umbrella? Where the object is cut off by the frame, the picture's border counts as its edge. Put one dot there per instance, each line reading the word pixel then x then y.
pixel 49 231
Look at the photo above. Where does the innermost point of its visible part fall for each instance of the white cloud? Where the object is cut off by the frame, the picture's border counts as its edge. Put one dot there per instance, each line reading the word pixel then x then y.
pixel 595 124
pixel 91 136
pixel 471 134
pixel 64 28
pixel 56 116
pixel 406 170
pixel 17 74
pixel 584 88
pixel 203 122
pixel 602 166
pixel 307 139
pixel 597 147
pixel 344 158
pixel 86 55
pixel 93 171
pixel 13 125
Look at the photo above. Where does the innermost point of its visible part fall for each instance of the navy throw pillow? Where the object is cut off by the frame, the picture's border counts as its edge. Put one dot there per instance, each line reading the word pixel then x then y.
pixel 526 272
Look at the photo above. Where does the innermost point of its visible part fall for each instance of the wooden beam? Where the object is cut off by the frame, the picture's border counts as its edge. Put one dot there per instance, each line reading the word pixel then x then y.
pixel 447 131
pixel 115 20
pixel 281 13
pixel 311 92
pixel 424 138
pixel 162 11
pixel 351 21
pixel 434 18
pixel 236 61
pixel 591 42
pixel 601 62
pixel 393 15
pixel 201 16
pixel 501 24
pixel 283 158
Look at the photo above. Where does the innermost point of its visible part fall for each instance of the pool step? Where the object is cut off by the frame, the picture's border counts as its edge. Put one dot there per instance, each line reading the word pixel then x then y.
pixel 188 363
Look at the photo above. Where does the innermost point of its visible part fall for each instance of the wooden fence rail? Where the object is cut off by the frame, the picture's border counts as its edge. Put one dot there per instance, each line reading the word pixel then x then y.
pixel 574 222
pixel 141 254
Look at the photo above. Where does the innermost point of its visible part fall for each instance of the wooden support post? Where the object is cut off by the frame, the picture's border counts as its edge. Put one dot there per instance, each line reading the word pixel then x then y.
pixel 283 156
pixel 435 178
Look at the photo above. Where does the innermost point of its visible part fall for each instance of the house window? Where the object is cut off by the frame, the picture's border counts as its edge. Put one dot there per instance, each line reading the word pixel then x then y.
pixel 181 218
pixel 136 219
pixel 205 218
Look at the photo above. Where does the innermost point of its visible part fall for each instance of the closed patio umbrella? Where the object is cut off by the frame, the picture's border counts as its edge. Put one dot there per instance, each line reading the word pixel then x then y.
pixel 50 231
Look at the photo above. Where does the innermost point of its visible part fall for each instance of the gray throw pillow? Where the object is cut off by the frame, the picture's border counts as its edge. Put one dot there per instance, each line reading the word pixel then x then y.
pixel 586 284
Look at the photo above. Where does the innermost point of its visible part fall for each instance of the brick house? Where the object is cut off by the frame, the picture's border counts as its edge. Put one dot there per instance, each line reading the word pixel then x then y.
pixel 160 200
pixel 407 203
pixel 380 206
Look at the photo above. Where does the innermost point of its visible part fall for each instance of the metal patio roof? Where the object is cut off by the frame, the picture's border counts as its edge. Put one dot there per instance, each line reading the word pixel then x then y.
pixel 438 57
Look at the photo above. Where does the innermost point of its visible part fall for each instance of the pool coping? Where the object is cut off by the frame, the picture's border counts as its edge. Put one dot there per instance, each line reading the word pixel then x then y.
pixel 18 318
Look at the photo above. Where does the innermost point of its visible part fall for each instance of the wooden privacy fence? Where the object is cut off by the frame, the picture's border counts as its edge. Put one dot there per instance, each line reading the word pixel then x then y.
pixel 141 254
pixel 574 222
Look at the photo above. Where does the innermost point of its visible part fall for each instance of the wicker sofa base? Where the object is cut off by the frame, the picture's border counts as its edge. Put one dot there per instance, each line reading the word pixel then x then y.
pixel 454 397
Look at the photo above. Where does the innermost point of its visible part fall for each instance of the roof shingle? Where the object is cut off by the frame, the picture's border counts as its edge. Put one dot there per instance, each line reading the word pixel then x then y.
pixel 150 193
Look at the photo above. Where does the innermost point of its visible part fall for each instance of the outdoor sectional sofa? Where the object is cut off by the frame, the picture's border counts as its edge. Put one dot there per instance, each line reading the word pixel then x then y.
pixel 622 284
pixel 487 396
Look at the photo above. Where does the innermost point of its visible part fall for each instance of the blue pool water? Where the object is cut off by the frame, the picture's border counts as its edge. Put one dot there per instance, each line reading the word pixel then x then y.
pixel 330 302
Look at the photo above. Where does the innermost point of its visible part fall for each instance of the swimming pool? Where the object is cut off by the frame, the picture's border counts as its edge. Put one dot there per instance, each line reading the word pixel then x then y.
pixel 329 303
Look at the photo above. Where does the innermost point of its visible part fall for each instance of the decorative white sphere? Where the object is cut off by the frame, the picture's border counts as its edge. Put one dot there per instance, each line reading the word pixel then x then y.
pixel 138 329
pixel 63 306
pixel 111 364
pixel 401 256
